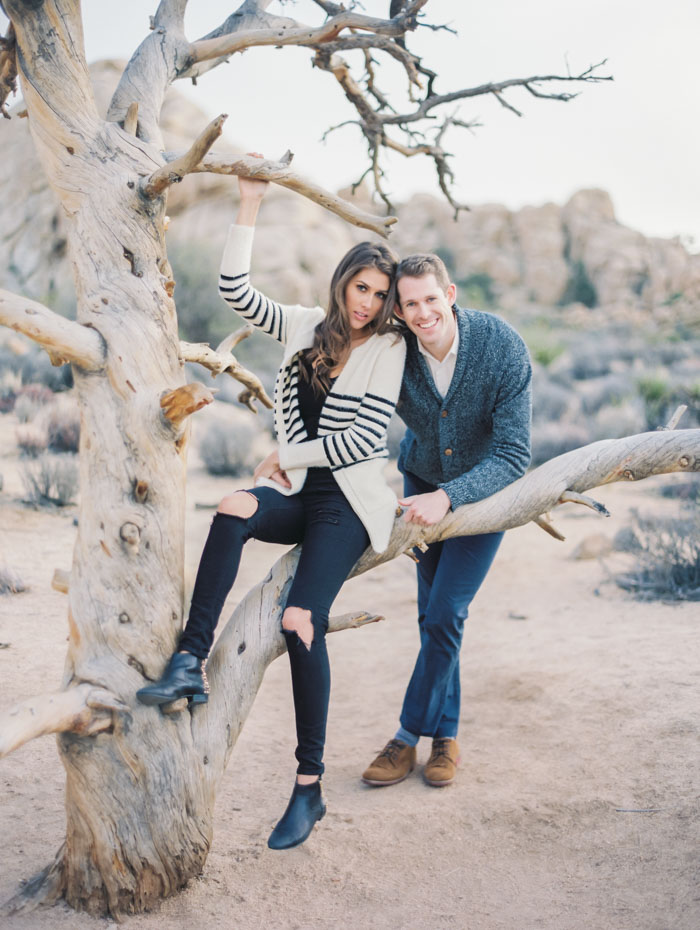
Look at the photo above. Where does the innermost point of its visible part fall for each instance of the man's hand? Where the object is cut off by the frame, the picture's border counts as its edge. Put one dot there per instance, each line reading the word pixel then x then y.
pixel 270 468
pixel 425 509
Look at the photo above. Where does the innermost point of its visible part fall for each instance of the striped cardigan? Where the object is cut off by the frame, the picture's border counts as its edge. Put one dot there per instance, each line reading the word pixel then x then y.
pixel 355 416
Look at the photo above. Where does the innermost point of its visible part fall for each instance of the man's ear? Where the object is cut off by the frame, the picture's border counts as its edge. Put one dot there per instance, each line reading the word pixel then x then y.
pixel 451 294
pixel 397 310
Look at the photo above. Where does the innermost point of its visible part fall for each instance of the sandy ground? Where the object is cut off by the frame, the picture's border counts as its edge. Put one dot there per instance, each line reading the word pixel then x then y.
pixel 576 805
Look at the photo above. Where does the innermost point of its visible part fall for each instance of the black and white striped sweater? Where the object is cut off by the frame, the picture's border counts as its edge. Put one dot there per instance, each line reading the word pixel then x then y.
pixel 356 413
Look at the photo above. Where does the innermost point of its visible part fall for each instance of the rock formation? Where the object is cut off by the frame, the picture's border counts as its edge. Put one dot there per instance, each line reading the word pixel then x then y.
pixel 546 255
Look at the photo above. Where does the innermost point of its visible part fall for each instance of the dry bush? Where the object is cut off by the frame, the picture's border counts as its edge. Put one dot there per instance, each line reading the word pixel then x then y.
pixel 667 554
pixel 552 439
pixel 51 479
pixel 10 581
pixel 32 440
pixel 229 449
pixel 63 427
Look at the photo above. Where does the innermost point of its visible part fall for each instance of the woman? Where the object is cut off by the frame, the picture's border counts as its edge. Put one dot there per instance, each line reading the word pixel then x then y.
pixel 323 486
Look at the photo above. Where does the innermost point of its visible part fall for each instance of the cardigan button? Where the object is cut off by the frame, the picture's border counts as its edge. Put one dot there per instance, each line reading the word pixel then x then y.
pixel 448 451
pixel 443 414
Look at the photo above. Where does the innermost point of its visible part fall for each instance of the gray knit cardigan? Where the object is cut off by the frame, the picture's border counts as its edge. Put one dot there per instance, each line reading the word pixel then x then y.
pixel 476 440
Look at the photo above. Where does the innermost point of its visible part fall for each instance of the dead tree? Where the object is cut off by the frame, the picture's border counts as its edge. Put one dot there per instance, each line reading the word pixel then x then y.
pixel 140 783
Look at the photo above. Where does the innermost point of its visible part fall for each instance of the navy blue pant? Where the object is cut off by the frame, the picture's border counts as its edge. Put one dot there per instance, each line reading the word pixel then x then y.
pixel 449 575
pixel 333 538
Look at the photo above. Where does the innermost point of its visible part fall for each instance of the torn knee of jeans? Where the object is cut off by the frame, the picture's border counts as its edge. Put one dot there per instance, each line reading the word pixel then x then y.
pixel 297 620
pixel 239 504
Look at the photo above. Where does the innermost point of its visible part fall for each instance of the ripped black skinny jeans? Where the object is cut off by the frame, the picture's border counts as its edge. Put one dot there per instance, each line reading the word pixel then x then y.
pixel 333 538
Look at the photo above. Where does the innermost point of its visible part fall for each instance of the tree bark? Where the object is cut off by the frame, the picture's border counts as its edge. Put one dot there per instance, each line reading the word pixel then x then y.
pixel 137 807
pixel 140 782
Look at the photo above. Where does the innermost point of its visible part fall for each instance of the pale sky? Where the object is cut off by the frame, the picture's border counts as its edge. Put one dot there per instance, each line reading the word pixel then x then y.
pixel 638 138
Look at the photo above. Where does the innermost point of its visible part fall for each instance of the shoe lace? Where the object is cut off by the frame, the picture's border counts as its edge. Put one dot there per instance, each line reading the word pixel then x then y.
pixel 440 750
pixel 391 750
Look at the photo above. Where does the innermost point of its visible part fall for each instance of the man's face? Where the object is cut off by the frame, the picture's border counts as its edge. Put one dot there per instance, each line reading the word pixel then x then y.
pixel 427 311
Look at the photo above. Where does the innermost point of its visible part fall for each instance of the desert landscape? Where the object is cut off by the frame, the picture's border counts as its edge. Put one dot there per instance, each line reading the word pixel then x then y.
pixel 576 805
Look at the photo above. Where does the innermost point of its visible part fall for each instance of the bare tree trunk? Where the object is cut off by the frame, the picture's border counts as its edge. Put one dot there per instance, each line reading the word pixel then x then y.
pixel 138 810
pixel 140 782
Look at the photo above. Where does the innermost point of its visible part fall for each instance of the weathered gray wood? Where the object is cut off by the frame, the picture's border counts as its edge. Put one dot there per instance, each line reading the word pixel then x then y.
pixel 64 340
pixel 140 783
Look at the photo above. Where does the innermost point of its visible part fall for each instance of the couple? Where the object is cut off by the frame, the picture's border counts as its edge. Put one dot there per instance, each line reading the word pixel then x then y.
pixel 464 395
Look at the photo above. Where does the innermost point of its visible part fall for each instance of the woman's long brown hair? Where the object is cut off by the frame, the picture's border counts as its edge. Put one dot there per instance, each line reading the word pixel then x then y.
pixel 332 337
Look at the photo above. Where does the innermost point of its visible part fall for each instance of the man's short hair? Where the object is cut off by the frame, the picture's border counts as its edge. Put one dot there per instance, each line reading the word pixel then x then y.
pixel 421 264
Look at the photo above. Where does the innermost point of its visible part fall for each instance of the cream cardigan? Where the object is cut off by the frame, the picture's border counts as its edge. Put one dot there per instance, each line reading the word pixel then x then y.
pixel 355 416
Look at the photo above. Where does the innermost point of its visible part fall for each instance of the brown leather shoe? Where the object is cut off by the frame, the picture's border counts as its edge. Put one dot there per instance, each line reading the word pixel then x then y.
pixel 392 765
pixel 441 767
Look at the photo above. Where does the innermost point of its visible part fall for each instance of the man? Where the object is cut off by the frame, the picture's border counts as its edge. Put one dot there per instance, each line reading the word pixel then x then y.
pixel 465 399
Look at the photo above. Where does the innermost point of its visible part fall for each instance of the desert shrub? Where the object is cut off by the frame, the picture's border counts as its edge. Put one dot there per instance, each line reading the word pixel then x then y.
pixel 51 479
pixel 35 368
pixel 668 558
pixel 25 409
pixel 552 439
pixel 63 428
pixel 227 450
pixel 579 288
pixel 202 315
pixel 687 491
pixel 661 398
pixel 10 581
pixel 550 401
pixel 610 390
pixel 591 359
pixel 626 540
pixel 32 440
pixel 616 420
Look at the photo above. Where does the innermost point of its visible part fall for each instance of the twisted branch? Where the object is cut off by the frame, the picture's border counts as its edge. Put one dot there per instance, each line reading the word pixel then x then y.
pixel 220 360
pixel 280 172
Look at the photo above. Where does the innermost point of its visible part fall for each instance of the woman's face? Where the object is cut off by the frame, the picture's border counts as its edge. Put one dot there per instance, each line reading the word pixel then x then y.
pixel 365 294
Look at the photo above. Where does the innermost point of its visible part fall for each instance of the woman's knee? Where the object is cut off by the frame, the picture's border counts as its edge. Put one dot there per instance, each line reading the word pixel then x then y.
pixel 297 620
pixel 239 504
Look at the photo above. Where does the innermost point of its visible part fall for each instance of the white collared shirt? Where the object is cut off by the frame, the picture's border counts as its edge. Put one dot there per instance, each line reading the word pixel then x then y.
pixel 443 371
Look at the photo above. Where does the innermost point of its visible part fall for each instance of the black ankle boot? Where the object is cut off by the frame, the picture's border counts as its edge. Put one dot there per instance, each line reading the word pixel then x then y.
pixel 305 807
pixel 183 677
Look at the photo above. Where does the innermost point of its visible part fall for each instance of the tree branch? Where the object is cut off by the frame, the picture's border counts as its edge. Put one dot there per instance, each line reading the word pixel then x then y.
pixel 51 62
pixel 83 710
pixel 247 167
pixel 221 360
pixel 173 172
pixel 251 638
pixel 289 32
pixel 64 340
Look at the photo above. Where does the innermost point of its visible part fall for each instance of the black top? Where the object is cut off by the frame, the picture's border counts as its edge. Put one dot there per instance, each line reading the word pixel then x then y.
pixel 310 401
pixel 310 406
